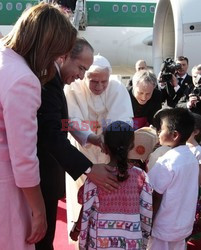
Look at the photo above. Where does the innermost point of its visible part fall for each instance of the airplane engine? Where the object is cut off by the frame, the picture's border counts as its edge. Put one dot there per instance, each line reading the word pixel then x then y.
pixel 177 31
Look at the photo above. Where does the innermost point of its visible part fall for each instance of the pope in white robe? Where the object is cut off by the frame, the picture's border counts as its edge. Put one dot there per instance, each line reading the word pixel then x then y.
pixel 93 103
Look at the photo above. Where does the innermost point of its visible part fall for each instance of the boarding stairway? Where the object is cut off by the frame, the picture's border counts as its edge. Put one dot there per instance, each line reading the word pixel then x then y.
pixel 79 19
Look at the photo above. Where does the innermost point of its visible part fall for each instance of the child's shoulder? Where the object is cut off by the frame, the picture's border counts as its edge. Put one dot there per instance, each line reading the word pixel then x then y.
pixel 196 150
pixel 179 151
pixel 137 171
pixel 156 154
pixel 184 150
pixel 198 147
pixel 180 155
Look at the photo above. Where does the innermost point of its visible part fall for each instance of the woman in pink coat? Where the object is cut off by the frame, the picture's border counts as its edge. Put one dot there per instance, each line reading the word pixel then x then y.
pixel 27 56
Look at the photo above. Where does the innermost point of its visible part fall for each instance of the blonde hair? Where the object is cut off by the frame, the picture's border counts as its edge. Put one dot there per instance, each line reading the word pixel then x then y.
pixel 41 35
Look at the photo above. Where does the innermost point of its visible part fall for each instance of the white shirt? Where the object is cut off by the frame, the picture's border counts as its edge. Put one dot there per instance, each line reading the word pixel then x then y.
pixel 197 152
pixel 176 88
pixel 175 175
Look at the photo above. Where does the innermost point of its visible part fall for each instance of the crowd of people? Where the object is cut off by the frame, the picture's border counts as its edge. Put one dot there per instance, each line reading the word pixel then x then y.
pixel 68 127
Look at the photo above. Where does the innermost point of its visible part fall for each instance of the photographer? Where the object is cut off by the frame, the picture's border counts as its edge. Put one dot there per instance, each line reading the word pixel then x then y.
pixel 174 82
pixel 196 71
pixel 194 102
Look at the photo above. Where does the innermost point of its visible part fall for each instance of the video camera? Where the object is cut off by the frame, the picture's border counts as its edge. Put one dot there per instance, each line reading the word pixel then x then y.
pixel 168 68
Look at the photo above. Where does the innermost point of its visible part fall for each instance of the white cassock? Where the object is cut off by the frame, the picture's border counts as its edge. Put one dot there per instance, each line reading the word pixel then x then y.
pixel 84 107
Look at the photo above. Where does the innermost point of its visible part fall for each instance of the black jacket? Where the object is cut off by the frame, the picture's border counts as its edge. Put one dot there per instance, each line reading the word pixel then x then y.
pixel 55 152
pixel 180 97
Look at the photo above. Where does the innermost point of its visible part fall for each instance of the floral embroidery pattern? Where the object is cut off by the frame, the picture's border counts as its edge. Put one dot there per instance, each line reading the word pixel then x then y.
pixel 121 219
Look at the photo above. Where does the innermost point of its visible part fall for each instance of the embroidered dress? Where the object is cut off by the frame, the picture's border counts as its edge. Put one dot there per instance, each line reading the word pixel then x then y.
pixel 117 220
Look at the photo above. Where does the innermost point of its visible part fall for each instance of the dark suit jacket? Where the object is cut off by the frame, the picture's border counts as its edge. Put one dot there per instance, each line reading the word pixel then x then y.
pixel 180 97
pixel 55 152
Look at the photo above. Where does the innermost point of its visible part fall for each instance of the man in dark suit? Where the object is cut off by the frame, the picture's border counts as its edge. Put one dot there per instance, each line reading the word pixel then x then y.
pixel 56 154
pixel 176 91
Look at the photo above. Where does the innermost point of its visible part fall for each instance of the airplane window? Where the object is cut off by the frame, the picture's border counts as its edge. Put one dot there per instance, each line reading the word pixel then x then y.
pixel 152 9
pixel 19 6
pixel 28 5
pixel 133 8
pixel 125 8
pixel 115 8
pixel 1 6
pixel 96 7
pixel 143 8
pixel 192 27
pixel 9 6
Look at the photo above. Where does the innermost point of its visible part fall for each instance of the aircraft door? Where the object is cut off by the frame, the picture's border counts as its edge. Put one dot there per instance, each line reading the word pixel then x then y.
pixel 177 31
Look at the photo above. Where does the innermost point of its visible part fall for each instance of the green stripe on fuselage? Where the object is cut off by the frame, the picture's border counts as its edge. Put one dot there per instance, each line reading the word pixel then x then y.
pixel 12 9
pixel 135 14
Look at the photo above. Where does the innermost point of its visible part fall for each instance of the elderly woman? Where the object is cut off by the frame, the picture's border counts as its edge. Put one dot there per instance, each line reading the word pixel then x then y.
pixel 93 103
pixel 145 98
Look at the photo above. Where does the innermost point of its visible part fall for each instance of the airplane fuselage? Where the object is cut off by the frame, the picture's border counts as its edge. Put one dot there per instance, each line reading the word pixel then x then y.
pixel 119 30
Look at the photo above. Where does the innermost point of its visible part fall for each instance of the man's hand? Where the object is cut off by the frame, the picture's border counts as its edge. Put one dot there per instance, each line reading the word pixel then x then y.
pixel 101 175
pixel 192 101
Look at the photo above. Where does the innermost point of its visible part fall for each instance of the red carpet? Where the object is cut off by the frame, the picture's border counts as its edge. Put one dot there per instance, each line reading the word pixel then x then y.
pixel 61 235
pixel 194 245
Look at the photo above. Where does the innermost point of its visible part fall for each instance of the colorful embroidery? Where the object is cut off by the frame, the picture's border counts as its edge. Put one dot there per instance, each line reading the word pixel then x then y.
pixel 119 242
pixel 112 224
pixel 119 220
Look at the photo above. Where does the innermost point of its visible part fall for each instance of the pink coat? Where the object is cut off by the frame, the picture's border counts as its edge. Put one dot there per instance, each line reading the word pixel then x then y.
pixel 19 101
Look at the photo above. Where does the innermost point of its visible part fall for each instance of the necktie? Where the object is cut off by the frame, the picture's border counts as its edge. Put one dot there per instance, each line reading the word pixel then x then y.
pixel 180 81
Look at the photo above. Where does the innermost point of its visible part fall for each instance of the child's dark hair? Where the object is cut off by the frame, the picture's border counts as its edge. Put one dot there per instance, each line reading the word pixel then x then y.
pixel 197 118
pixel 119 137
pixel 179 119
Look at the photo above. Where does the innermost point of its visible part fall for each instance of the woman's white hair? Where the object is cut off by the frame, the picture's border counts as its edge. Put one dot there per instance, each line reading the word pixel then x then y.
pixel 145 76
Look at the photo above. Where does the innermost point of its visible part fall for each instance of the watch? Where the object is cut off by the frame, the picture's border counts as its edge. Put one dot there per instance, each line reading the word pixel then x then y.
pixel 75 228
pixel 88 170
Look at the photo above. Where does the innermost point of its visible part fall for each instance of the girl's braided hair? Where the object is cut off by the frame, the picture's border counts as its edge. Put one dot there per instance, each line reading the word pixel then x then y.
pixel 119 137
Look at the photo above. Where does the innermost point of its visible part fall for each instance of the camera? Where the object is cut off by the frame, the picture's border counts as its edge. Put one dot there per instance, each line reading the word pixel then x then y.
pixel 197 90
pixel 168 68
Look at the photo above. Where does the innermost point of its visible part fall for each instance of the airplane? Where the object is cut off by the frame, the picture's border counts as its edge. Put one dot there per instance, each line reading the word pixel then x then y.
pixel 177 31
pixel 120 30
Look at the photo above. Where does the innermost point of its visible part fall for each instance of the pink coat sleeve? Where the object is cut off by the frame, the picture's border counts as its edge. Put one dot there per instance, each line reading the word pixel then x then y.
pixel 20 105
